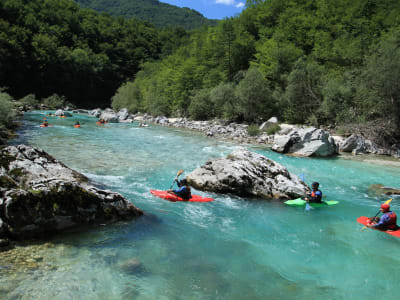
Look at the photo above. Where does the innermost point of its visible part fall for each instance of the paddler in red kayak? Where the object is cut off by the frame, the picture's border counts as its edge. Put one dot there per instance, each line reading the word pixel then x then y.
pixel 388 221
pixel 183 190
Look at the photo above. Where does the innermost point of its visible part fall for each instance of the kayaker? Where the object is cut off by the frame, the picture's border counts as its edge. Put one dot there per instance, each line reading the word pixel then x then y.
pixel 183 190
pixel 388 221
pixel 77 123
pixel 316 195
pixel 45 123
pixel 102 121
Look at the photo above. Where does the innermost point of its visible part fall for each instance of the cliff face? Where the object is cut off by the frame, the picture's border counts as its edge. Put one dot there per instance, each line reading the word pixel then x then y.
pixel 39 194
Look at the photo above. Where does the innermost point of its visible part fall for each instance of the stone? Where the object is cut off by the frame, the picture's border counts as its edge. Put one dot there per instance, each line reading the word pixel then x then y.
pixel 50 197
pixel 306 142
pixel 246 173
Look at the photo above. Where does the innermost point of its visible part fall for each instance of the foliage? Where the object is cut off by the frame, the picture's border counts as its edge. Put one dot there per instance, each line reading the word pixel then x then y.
pixel 254 97
pixel 379 92
pixel 273 129
pixel 53 46
pixel 253 130
pixel 6 113
pixel 54 102
pixel 156 12
pixel 30 100
pixel 201 106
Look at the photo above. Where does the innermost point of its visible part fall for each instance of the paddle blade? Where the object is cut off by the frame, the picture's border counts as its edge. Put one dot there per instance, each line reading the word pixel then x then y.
pixel 179 173
pixel 308 206
pixel 388 201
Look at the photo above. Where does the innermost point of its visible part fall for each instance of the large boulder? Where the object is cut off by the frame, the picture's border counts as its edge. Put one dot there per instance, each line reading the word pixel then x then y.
pixel 123 114
pixel 246 173
pixel 109 116
pixel 306 142
pixel 40 194
pixel 95 112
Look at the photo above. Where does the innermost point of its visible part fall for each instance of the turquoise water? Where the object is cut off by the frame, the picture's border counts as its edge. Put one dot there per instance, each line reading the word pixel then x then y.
pixel 232 248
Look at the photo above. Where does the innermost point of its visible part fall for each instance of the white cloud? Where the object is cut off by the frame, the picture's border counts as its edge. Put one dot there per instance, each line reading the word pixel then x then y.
pixel 225 2
pixel 240 4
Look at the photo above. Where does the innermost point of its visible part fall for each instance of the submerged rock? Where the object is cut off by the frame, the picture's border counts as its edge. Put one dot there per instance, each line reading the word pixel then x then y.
pixel 380 189
pixel 43 195
pixel 246 173
pixel 306 142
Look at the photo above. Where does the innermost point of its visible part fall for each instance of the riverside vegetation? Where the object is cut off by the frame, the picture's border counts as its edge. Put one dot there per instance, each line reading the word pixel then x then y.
pixel 311 62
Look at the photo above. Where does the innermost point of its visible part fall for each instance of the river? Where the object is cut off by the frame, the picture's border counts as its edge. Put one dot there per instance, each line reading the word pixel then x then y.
pixel 231 248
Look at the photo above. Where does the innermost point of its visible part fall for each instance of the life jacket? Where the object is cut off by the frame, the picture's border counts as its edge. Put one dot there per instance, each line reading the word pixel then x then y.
pixel 315 197
pixel 186 193
pixel 392 224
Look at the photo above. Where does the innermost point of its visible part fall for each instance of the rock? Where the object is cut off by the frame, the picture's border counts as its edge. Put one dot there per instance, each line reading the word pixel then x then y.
pixel 352 142
pixel 379 190
pixel 246 173
pixel 95 112
pixel 123 114
pixel 132 266
pixel 109 116
pixel 306 142
pixel 270 122
pixel 49 197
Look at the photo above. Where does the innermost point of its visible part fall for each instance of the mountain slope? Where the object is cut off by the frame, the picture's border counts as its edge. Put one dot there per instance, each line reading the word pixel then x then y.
pixel 153 11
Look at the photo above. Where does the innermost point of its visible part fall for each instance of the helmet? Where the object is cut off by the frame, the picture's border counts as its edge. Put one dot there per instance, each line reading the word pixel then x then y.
pixel 385 206
pixel 315 185
pixel 183 182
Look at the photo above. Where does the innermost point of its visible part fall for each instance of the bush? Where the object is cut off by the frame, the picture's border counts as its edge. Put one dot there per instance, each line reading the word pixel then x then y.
pixel 7 114
pixel 273 129
pixel 54 101
pixel 201 107
pixel 253 130
pixel 30 100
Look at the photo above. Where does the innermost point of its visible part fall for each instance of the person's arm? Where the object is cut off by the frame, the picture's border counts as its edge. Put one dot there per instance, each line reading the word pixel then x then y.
pixel 382 221
pixel 177 191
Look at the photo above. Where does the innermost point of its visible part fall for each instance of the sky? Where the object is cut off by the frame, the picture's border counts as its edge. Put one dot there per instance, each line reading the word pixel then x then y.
pixel 212 9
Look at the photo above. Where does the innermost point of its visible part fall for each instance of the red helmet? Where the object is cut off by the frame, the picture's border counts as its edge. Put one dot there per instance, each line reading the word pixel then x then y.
pixel 385 206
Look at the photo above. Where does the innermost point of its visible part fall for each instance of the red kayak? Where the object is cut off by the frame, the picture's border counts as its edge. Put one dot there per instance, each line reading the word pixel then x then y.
pixel 365 221
pixel 174 198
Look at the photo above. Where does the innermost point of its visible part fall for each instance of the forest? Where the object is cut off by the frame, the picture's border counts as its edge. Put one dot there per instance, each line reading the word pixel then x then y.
pixel 305 61
pixel 311 62
pixel 160 14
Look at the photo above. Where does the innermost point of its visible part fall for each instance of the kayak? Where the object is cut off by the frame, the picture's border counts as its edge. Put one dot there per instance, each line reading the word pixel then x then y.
pixel 301 202
pixel 171 197
pixel 365 221
pixel 77 126
pixel 99 123
pixel 45 125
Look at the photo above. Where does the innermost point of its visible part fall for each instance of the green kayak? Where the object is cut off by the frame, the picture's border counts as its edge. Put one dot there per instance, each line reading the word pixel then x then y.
pixel 301 202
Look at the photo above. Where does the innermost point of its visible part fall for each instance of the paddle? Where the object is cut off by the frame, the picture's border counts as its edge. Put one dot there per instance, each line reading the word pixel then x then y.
pixel 177 175
pixel 308 206
pixel 386 202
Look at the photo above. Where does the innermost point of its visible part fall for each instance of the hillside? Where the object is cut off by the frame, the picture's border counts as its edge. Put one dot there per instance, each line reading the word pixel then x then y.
pixel 153 11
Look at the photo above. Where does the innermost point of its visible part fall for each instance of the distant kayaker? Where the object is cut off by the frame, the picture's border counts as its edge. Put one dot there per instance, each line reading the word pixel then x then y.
pixel 77 123
pixel 102 121
pixel 316 195
pixel 45 123
pixel 183 191
pixel 388 221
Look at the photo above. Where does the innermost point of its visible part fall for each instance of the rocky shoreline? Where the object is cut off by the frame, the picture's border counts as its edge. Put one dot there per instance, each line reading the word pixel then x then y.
pixel 286 136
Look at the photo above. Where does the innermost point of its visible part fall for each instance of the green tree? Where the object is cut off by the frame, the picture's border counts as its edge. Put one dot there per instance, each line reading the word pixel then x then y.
pixel 254 96
pixel 303 96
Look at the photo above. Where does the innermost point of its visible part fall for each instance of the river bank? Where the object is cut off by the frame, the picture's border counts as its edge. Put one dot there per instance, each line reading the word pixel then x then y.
pixel 269 133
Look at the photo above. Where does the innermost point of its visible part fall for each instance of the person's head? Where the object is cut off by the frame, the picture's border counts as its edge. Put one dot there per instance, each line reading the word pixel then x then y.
pixel 183 182
pixel 385 207
pixel 315 185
